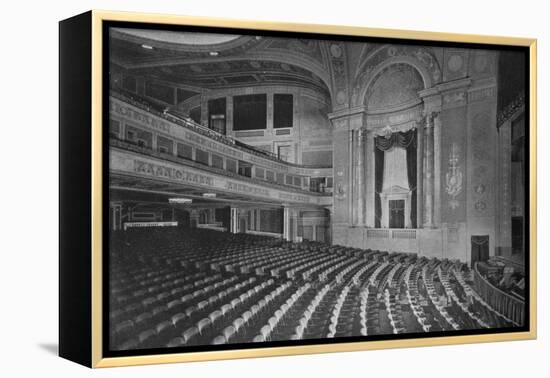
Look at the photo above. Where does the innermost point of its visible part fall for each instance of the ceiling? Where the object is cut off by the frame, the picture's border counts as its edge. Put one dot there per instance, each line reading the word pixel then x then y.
pixel 212 61
pixel 179 38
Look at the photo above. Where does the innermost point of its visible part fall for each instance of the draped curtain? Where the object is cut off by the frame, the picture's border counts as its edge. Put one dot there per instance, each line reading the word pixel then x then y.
pixel 406 140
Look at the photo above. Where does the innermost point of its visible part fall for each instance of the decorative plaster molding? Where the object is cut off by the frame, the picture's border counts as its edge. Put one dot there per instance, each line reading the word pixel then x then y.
pixel 511 109
pixel 455 84
pixel 347 112
pixel 454 176
pixel 481 94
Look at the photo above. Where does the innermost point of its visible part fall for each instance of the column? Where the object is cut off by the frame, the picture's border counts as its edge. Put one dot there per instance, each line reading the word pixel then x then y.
pixel 269 114
pixel 257 219
pixel 204 111
pixel 290 223
pixel 229 115
pixel 194 217
pixel 504 185
pixel 370 179
pixel 286 223
pixel 211 215
pixel 437 170
pixel 428 172
pixel 234 220
pixel 360 173
pixel 118 218
pixel 154 143
pixel 116 215
pixel 420 173
pixel 294 217
pixel 351 186
pixel 328 229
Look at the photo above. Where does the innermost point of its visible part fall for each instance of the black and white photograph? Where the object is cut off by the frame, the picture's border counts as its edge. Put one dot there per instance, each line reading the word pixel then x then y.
pixel 269 189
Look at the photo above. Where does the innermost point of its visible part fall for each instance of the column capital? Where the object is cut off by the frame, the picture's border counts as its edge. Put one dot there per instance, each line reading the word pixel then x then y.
pixel 363 133
pixel 421 121
pixel 429 116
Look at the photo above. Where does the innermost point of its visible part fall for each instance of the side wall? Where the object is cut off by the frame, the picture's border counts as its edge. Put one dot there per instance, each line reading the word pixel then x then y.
pixel 75 41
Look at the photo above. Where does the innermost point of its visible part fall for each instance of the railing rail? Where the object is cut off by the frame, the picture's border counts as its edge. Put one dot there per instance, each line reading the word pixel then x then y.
pixel 403 234
pixel 265 233
pixel 378 233
pixel 509 306
pixel 392 233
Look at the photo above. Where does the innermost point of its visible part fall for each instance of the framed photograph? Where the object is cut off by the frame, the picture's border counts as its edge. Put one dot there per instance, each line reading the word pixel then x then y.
pixel 234 189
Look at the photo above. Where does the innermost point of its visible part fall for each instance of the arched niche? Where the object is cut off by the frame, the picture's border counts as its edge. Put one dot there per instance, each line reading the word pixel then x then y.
pixel 393 105
pixel 396 86
pixel 375 66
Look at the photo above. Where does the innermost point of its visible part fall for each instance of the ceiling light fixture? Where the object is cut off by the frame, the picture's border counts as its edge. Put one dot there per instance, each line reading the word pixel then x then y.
pixel 148 47
pixel 180 200
pixel 214 53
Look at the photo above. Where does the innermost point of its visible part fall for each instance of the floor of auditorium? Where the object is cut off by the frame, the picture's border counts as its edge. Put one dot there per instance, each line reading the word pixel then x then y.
pixel 181 287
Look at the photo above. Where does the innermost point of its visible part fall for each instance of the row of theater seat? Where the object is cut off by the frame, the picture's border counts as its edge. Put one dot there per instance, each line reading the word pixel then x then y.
pixel 178 288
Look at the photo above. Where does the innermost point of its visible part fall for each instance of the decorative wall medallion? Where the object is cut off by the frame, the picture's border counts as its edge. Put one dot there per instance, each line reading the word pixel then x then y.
pixel 340 97
pixel 454 176
pixel 455 63
pixel 340 191
pixel 335 51
pixel 479 189
pixel 480 206
pixel 480 63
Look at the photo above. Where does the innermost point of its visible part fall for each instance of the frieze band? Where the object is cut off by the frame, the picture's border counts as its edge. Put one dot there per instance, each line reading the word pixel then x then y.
pixel 178 174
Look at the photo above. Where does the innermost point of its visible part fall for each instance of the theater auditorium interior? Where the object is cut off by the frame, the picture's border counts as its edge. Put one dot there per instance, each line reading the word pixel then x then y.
pixel 272 188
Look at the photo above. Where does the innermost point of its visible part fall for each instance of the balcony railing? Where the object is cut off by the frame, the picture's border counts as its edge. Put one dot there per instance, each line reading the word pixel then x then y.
pixel 505 304
pixel 125 145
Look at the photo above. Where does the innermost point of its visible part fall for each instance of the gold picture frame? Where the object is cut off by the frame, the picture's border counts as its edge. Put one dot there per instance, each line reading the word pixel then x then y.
pixel 89 327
